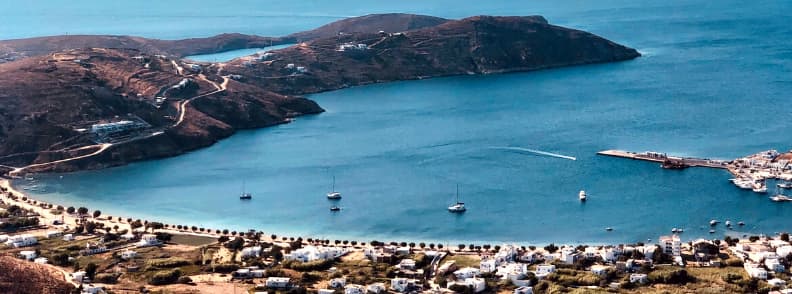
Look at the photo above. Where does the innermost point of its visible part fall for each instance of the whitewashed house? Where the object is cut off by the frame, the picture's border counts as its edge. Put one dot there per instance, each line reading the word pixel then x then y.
pixel 608 254
pixel 78 276
pixel 639 278
pixel 148 240
pixel 337 283
pixel 254 251
pixel 28 254
pixel 21 241
pixel 591 252
pixel 3 238
pixel 524 290
pixel 755 271
pixel 543 270
pixel 277 282
pixel 600 270
pixel 487 265
pixel 68 237
pixel 402 284
pixel 776 282
pixel 467 272
pixel 354 289
pixel 53 234
pixel 128 254
pixel 376 288
pixel 507 253
pixel 311 253
pixel 784 251
pixel 477 284
pixel 774 264
pixel 407 264
pixel 41 260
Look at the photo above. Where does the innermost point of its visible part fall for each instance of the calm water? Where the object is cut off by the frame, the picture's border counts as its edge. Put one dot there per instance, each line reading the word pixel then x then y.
pixel 713 83
pixel 228 55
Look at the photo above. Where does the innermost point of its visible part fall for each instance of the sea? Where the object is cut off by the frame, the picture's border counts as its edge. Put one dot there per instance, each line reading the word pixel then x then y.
pixel 714 81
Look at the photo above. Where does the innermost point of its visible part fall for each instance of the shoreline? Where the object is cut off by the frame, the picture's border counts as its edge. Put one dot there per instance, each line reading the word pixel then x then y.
pixel 70 220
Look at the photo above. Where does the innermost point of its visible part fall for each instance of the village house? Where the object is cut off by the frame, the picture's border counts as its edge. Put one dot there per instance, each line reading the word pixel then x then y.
pixel 600 270
pixel 377 288
pixel 148 240
pixel 128 254
pixel 476 284
pixel 524 290
pixel 755 271
pixel 68 237
pixel 639 278
pixel 543 270
pixel 278 282
pixel 93 248
pixel 354 289
pixel 41 260
pixel 254 251
pixel 487 265
pixel 78 276
pixel 21 241
pixel 447 266
pixel 467 272
pixel 402 285
pixel 407 264
pixel 28 254
pixel 337 283
pixel 311 253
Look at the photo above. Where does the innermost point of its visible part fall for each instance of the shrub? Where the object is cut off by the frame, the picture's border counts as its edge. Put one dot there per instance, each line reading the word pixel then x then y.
pixel 184 280
pixel 107 278
pixel 167 262
pixel 677 276
pixel 316 265
pixel 165 277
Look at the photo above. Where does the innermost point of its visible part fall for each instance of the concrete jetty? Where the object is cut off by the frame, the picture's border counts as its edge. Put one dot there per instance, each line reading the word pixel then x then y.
pixel 673 162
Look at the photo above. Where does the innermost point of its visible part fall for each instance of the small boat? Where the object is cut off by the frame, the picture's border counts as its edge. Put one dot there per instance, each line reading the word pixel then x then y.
pixel 245 195
pixel 713 222
pixel 609 229
pixel 780 198
pixel 744 184
pixel 333 193
pixel 784 185
pixel 728 223
pixel 458 206
pixel 674 230
pixel 712 231
pixel 582 195
pixel 335 208
pixel 680 231
pixel 740 223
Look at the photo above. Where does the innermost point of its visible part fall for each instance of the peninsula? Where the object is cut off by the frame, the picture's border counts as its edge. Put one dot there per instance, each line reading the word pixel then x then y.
pixel 87 102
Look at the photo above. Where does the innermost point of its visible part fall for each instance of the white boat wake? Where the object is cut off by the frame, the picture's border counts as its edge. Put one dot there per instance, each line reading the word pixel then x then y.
pixel 539 152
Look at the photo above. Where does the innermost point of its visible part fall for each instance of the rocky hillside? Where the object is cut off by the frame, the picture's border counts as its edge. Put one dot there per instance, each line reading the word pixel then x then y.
pixel 50 102
pixel 476 45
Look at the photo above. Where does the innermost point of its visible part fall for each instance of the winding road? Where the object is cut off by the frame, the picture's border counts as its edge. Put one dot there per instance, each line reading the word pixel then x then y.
pixel 16 171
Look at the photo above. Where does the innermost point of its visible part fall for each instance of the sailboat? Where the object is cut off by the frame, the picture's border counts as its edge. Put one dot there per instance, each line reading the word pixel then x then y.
pixel 333 193
pixel 582 195
pixel 459 206
pixel 245 195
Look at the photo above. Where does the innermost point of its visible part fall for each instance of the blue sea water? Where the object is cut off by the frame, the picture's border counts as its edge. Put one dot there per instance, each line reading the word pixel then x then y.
pixel 714 82
pixel 231 54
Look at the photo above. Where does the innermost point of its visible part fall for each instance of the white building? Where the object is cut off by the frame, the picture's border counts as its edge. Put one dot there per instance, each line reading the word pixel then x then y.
pixel 774 264
pixel 600 270
pixel 784 251
pixel 21 241
pixel 254 251
pixel 524 290
pixel 78 276
pixel 128 254
pixel 354 289
pixel 53 234
pixel 507 253
pixel 755 271
pixel 311 253
pixel 776 282
pixel 3 238
pixel 639 278
pixel 477 284
pixel 277 282
pixel 543 270
pixel 337 283
pixel 148 240
pixel 68 237
pixel 41 260
pixel 28 254
pixel 402 284
pixel 407 264
pixel 671 245
pixel 377 288
pixel 488 265
pixel 467 272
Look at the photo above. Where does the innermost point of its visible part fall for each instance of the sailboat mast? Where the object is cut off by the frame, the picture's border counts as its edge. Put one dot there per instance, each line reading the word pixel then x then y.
pixel 457 193
pixel 333 190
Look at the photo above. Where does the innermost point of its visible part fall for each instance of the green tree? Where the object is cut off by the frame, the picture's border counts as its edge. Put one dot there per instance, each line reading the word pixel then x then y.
pixel 90 270
pixel 82 210
pixel 97 213
pixel 70 210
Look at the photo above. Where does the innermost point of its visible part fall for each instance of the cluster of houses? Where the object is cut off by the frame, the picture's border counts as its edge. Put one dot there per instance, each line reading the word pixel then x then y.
pixel 19 240
pixel 312 253
pixel 351 46
pixel 762 257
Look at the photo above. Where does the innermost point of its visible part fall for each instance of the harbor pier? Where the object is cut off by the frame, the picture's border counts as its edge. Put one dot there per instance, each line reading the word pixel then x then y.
pixel 666 161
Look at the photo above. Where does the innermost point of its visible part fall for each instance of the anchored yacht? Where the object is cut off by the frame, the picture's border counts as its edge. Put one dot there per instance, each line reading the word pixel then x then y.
pixel 458 206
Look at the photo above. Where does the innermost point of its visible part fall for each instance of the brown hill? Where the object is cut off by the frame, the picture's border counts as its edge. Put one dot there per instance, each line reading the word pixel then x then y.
pixel 372 23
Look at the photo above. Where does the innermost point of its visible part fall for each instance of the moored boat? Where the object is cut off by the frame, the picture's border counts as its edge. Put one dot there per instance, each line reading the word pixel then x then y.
pixel 458 206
